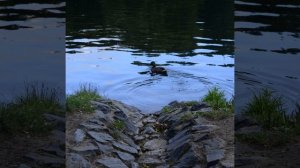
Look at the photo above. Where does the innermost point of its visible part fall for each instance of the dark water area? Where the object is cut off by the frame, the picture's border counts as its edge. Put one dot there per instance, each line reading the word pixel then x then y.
pixel 110 44
pixel 32 39
pixel 267 50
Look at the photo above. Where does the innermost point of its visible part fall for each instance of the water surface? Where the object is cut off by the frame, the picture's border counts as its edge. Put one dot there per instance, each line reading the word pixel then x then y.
pixel 267 50
pixel 111 43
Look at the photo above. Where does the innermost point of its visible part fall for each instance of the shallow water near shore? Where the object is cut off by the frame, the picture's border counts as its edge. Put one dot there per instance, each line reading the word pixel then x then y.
pixel 32 44
pixel 112 49
pixel 267 49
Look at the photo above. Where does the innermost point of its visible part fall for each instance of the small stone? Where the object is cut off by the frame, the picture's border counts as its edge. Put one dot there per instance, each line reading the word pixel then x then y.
pixel 138 137
pixel 125 156
pixel 158 152
pixel 77 161
pixel 100 137
pixel 125 147
pixel 111 162
pixel 79 135
pixel 149 130
pixel 155 144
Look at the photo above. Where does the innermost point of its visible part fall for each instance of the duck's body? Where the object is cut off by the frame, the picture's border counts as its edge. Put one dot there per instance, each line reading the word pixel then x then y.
pixel 158 70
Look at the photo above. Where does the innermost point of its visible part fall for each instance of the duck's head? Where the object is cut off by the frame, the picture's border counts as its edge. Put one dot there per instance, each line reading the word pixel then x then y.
pixel 153 64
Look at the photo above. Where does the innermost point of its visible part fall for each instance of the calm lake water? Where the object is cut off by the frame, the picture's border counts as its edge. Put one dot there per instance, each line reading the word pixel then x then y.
pixel 267 49
pixel 110 44
pixel 32 39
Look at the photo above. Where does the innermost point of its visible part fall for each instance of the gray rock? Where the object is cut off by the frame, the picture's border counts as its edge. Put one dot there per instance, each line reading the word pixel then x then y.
pixel 79 135
pixel 106 149
pixel 125 156
pixel 93 127
pixel 198 106
pixel 100 137
pixel 189 159
pixel 120 115
pixel 158 152
pixel 138 137
pixel 145 159
pixel 54 149
pixel 49 160
pixel 212 157
pixel 149 130
pixel 101 106
pixel 76 161
pixel 214 143
pixel 149 120
pixel 129 141
pixel 125 147
pixel 111 162
pixel 88 148
pixel 59 136
pixel 57 121
pixel 155 144
pixel 204 128
pixel 100 115
pixel 134 165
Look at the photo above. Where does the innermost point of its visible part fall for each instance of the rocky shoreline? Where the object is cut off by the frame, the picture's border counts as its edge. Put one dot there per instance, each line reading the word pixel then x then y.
pixel 120 136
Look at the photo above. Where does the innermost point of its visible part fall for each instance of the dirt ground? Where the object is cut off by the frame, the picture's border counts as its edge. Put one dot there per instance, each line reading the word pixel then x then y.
pixel 282 157
pixel 13 149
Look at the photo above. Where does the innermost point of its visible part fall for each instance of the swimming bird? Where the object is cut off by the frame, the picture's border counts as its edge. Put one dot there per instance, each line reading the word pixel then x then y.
pixel 158 70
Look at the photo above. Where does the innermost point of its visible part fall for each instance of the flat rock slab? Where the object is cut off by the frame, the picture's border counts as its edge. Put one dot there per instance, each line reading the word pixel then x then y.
pixel 125 147
pixel 125 156
pixel 77 161
pixel 215 155
pixel 155 144
pixel 100 137
pixel 110 162
pixel 85 148
pixel 45 159
pixel 106 149
pixel 146 159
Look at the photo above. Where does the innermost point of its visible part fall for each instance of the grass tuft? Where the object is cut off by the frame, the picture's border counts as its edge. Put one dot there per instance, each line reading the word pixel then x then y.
pixel 267 110
pixel 25 114
pixel 81 99
pixel 215 115
pixel 215 98
pixel 119 125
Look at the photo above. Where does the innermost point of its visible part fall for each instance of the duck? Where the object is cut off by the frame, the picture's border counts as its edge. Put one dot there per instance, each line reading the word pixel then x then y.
pixel 158 70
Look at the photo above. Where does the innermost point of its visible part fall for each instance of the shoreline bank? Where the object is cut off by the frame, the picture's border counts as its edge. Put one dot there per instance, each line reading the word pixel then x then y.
pixel 118 135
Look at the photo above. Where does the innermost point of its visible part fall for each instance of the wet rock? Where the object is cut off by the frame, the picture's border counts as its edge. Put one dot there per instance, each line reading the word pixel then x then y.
pixel 100 137
pixel 77 161
pixel 111 162
pixel 125 147
pixel 79 135
pixel 125 156
pixel 155 144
